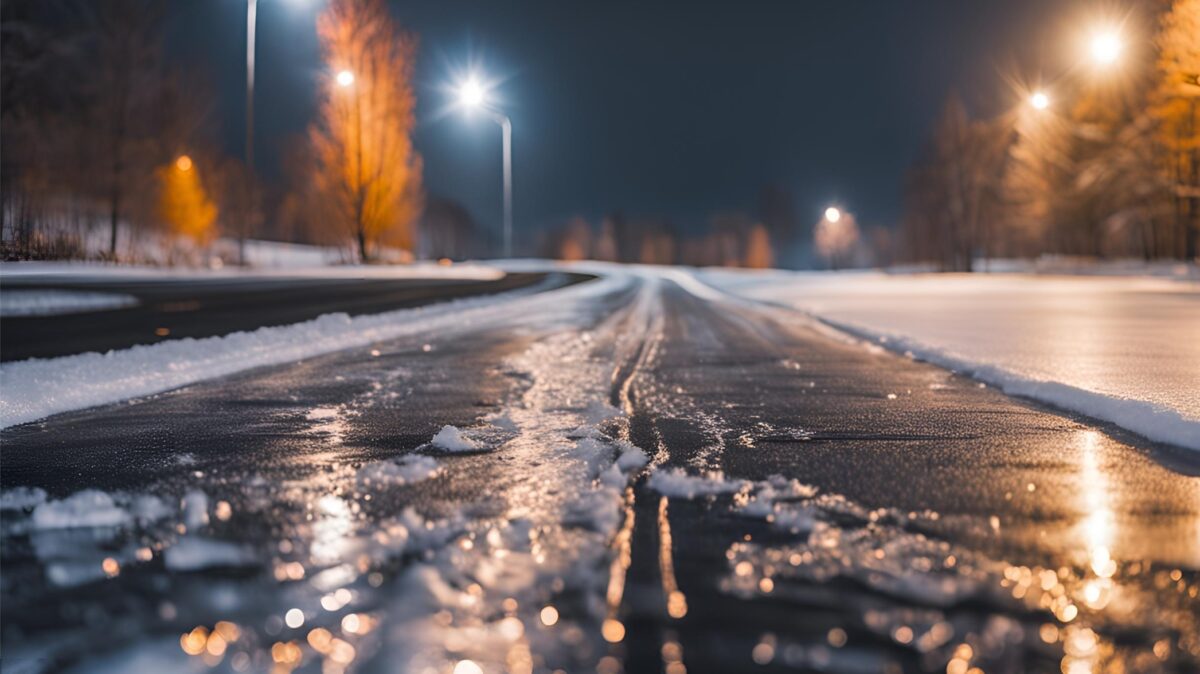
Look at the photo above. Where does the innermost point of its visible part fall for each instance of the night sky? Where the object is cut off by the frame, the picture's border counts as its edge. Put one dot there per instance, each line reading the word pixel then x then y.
pixel 675 110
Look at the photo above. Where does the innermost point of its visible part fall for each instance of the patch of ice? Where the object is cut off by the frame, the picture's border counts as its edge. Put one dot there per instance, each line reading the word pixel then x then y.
pixel 677 483
pixel 22 303
pixel 87 508
pixel 451 439
pixel 402 471
pixel 192 553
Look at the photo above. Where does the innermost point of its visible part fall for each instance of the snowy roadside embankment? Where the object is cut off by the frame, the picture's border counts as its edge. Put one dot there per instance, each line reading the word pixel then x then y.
pixel 1121 350
pixel 18 303
pixel 82 272
pixel 37 388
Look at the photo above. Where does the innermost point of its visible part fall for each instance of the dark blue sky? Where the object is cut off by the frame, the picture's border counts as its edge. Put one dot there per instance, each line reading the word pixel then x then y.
pixel 674 109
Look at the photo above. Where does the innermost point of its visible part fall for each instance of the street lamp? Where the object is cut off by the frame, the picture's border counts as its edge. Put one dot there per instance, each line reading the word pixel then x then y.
pixel 832 214
pixel 1106 47
pixel 472 95
pixel 344 78
pixel 1039 100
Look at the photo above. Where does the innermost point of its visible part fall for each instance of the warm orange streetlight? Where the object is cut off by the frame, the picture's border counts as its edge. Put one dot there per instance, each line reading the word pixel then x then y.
pixel 183 163
pixel 1106 47
pixel 1039 100
pixel 345 78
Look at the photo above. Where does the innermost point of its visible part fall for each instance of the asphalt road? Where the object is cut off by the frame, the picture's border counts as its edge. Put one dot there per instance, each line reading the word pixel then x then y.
pixel 837 508
pixel 173 309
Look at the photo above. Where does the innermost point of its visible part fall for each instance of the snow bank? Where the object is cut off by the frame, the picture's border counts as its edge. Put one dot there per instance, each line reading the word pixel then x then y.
pixel 85 271
pixel 18 303
pixel 1152 421
pixel 33 389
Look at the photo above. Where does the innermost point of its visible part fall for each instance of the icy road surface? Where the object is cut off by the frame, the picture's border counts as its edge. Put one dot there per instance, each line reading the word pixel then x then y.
pixel 637 473
pixel 1092 345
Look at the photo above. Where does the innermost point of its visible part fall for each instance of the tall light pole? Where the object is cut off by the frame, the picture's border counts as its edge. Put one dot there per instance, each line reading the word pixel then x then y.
pixel 473 95
pixel 251 22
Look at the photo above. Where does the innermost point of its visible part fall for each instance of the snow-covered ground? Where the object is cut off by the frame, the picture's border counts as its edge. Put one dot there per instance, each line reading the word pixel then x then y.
pixel 15 303
pixel 1124 350
pixel 1120 349
pixel 81 271
pixel 36 388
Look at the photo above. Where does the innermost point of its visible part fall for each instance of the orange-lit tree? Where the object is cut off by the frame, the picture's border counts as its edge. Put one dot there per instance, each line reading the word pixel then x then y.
pixel 183 202
pixel 366 167
pixel 1176 108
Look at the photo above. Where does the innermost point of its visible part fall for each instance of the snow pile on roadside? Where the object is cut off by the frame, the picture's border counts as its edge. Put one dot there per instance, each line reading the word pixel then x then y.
pixel 33 389
pixel 22 303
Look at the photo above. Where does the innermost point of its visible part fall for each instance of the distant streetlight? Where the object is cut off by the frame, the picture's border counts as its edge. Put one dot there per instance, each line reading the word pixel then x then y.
pixel 833 214
pixel 472 95
pixel 344 78
pixel 183 163
pixel 1039 100
pixel 1106 47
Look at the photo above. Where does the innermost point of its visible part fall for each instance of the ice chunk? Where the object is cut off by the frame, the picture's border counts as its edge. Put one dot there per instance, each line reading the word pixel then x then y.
pixel 21 498
pixel 87 508
pixel 195 509
pixel 677 483
pixel 402 471
pixel 192 553
pixel 451 439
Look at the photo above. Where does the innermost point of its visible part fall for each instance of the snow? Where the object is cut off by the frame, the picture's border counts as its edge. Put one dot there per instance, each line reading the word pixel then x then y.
pixel 20 303
pixel 402 471
pixel 1122 350
pixel 36 388
pixel 677 483
pixel 87 508
pixel 193 553
pixel 22 498
pixel 82 272
pixel 451 439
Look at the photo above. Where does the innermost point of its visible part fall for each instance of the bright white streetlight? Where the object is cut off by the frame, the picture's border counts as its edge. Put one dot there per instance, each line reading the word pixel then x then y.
pixel 1106 47
pixel 344 78
pixel 832 214
pixel 472 95
pixel 1039 100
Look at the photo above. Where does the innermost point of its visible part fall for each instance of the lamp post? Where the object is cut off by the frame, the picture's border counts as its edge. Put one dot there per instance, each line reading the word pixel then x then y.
pixel 345 80
pixel 473 95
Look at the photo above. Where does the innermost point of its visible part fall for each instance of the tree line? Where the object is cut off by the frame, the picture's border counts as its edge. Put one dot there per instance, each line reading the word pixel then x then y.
pixel 1105 165
pixel 107 144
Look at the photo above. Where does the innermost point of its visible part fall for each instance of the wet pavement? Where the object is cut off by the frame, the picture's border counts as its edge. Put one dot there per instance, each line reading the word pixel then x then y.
pixel 647 476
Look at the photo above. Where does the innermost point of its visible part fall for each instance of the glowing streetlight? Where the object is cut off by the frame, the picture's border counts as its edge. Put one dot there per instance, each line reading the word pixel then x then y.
pixel 833 214
pixel 183 163
pixel 1106 47
pixel 344 78
pixel 472 95
pixel 1039 100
